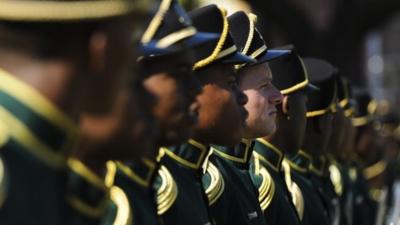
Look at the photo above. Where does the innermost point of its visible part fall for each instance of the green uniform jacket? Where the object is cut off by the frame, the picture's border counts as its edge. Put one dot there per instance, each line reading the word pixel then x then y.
pixel 314 210
pixel 235 200
pixel 34 137
pixel 136 180
pixel 93 200
pixel 320 178
pixel 280 208
pixel 180 196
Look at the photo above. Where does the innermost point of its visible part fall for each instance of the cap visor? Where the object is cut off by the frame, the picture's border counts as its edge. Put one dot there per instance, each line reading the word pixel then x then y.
pixel 312 88
pixel 272 54
pixel 237 58
pixel 200 38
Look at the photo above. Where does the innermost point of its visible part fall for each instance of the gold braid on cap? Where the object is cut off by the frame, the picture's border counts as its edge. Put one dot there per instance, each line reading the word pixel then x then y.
pixel 30 10
pixel 211 58
pixel 300 85
pixel 252 19
pixel 156 21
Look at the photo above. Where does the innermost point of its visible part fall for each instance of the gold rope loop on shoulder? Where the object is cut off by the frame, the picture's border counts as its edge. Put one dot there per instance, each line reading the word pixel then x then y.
pixel 167 193
pixel 124 213
pixel 217 185
pixel 336 179
pixel 266 190
pixel 211 58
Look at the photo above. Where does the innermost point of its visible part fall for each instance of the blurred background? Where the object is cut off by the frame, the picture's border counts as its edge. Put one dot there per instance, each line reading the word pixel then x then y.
pixel 360 37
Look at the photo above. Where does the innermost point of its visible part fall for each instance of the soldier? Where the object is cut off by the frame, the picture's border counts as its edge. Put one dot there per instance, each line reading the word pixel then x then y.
pixel 167 61
pixel 181 198
pixel 233 162
pixel 284 196
pixel 318 132
pixel 56 60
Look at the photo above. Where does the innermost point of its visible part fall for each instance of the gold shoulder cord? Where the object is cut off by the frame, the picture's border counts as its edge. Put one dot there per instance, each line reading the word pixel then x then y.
pixel 124 213
pixel 297 195
pixel 167 193
pixel 336 179
pixel 266 191
pixel 217 185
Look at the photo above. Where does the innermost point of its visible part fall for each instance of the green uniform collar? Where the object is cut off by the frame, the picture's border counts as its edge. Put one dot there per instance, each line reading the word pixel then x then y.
pixel 86 192
pixel 191 154
pixel 301 162
pixel 141 172
pixel 319 166
pixel 239 155
pixel 268 154
pixel 34 122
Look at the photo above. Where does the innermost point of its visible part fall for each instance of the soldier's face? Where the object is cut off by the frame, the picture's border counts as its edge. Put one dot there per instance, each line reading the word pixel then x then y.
pixel 292 120
pixel 109 64
pixel 255 82
pixel 176 89
pixel 222 114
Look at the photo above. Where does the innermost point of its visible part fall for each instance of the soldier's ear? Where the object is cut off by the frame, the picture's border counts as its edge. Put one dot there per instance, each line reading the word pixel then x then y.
pixel 97 51
pixel 285 105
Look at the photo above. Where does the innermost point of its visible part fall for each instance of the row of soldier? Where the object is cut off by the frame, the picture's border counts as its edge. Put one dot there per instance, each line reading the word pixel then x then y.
pixel 199 122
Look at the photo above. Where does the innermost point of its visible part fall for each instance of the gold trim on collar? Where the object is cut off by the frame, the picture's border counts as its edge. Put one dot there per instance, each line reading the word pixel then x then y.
pixel 274 149
pixel 91 211
pixel 167 193
pixel 360 121
pixel 234 158
pixel 172 38
pixel 211 58
pixel 67 10
pixel 31 143
pixel 37 103
pixel 124 213
pixel 319 172
pixel 131 174
pixel 110 175
pixel 297 167
pixel 156 21
pixel 217 184
pixel 349 112
pixel 375 169
pixel 200 160
pixel 79 168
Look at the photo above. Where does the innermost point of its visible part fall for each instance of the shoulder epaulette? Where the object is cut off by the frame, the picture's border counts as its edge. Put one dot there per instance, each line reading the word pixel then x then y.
pixel 295 192
pixel 266 190
pixel 217 184
pixel 336 179
pixel 168 191
pixel 124 214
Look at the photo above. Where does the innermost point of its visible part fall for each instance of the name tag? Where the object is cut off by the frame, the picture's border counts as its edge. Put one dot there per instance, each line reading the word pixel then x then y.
pixel 252 215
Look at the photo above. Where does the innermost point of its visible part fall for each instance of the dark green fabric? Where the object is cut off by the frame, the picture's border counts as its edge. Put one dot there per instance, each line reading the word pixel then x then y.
pixel 190 206
pixel 78 187
pixel 238 204
pixel 281 209
pixel 142 199
pixel 35 191
pixel 314 211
